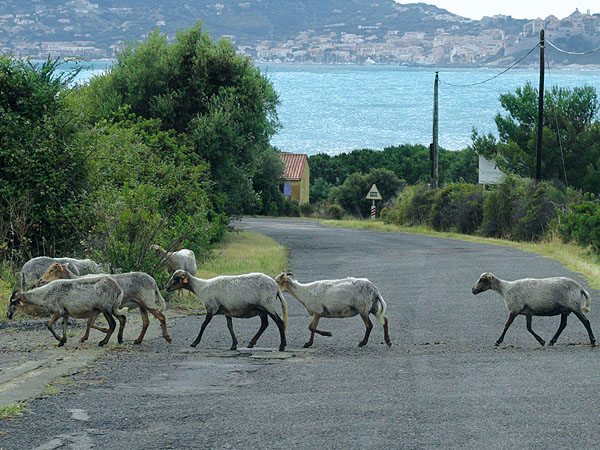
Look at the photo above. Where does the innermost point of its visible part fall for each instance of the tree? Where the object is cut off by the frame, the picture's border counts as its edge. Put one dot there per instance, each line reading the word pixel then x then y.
pixel 351 195
pixel 41 172
pixel 570 138
pixel 203 90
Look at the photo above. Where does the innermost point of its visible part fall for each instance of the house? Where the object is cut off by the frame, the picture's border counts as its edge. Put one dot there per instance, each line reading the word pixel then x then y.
pixel 296 177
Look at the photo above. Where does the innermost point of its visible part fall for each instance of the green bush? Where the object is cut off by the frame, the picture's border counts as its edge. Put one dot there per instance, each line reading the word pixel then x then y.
pixel 412 206
pixel 457 207
pixel 581 224
pixel 334 212
pixel 520 209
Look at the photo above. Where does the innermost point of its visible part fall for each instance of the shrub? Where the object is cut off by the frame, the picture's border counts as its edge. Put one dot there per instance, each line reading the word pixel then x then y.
pixel 457 207
pixel 412 206
pixel 581 224
pixel 334 212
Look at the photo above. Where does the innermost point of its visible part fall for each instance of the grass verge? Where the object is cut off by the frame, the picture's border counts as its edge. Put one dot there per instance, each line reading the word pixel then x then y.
pixel 12 410
pixel 573 257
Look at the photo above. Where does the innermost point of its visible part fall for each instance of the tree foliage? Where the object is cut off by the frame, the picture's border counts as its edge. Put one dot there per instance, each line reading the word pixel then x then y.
pixel 203 90
pixel 570 138
pixel 42 172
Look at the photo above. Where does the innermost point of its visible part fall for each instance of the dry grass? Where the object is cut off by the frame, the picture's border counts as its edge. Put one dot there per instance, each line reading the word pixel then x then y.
pixel 244 252
pixel 571 256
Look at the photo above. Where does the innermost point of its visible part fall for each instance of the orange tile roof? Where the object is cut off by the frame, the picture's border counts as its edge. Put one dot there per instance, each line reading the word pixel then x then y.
pixel 294 165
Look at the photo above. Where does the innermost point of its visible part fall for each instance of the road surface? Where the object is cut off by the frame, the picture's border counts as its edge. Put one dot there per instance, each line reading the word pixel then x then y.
pixel 443 384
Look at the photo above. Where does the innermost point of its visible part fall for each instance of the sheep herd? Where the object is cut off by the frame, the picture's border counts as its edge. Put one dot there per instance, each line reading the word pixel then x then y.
pixel 67 287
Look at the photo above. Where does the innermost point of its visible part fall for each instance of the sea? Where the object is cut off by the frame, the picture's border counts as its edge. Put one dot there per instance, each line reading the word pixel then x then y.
pixel 339 108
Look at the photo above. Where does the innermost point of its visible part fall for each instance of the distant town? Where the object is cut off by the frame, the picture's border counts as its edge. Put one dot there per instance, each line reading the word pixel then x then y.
pixel 66 31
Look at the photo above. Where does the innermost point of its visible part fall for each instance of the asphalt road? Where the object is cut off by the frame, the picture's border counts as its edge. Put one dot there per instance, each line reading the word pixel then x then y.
pixel 442 385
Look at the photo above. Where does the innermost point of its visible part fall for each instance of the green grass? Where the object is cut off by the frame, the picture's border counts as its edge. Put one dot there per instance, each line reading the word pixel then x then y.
pixel 12 410
pixel 244 252
pixel 571 256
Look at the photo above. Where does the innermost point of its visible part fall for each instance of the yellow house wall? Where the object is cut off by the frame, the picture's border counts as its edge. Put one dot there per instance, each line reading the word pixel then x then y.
pixel 301 189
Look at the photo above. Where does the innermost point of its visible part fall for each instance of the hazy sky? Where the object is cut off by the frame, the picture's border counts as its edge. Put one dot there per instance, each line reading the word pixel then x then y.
pixel 519 9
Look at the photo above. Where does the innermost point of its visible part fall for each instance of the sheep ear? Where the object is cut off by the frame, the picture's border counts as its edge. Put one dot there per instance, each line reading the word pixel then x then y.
pixel 63 267
pixel 185 280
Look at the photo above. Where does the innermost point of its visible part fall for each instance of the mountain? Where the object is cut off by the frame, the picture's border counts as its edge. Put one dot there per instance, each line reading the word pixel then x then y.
pixel 355 31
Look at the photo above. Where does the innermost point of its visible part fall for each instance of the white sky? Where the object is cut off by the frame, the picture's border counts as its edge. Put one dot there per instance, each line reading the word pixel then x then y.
pixel 519 9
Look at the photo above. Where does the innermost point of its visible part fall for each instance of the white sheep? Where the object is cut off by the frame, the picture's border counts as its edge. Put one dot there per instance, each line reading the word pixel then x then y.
pixel 540 297
pixel 183 259
pixel 33 269
pixel 241 296
pixel 341 298
pixel 79 298
pixel 139 290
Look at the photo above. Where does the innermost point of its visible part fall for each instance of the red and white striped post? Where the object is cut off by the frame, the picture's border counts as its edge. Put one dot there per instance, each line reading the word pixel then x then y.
pixel 373 210
pixel 373 195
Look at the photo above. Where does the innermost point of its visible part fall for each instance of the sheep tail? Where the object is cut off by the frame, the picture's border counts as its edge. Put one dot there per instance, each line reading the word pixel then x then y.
pixel 284 309
pixel 120 311
pixel 380 309
pixel 162 305
pixel 587 305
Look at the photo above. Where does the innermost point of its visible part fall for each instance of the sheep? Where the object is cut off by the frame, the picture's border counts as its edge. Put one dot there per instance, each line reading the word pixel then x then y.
pixel 79 298
pixel 183 259
pixel 539 297
pixel 139 290
pixel 241 296
pixel 338 299
pixel 33 269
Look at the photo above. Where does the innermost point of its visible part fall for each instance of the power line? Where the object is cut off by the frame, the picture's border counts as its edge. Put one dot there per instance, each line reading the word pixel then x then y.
pixel 572 53
pixel 498 74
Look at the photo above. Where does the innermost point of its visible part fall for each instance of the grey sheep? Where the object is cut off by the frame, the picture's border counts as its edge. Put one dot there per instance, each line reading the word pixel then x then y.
pixel 540 297
pixel 82 299
pixel 139 290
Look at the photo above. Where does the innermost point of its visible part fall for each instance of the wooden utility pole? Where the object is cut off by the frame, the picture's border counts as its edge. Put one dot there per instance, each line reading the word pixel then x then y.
pixel 540 122
pixel 434 145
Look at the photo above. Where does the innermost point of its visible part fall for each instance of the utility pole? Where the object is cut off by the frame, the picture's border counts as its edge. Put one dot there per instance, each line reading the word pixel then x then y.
pixel 540 122
pixel 433 150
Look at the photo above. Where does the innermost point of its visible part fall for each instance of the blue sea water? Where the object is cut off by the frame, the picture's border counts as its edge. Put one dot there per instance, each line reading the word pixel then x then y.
pixel 334 109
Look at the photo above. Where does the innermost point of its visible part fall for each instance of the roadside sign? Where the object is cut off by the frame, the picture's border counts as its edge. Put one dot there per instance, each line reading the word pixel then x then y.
pixel 374 194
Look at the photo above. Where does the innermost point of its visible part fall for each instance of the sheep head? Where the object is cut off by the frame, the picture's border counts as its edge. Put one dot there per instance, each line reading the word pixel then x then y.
pixel 14 303
pixel 484 283
pixel 56 271
pixel 283 280
pixel 179 280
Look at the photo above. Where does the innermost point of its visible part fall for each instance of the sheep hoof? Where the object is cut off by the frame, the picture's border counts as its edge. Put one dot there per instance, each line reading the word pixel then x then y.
pixel 282 348
pixel 362 344
pixel 389 343
pixel 542 343
pixel 234 347
pixel 193 344
pixel 61 343
pixel 327 333
pixel 168 339
pixel 101 344
pixel 250 345
pixel 551 343
pixel 497 344
pixel 308 344
pixel 593 344
pixel 137 341
pixel 82 340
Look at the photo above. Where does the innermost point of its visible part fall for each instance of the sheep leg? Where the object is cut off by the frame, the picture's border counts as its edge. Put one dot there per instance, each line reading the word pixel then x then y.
pixel 91 324
pixel 111 327
pixel 537 338
pixel 279 322
pixel 313 329
pixel 369 327
pixel 509 322
pixel 53 319
pixel 561 327
pixel 386 334
pixel 163 323
pixel 122 321
pixel 145 323
pixel 63 341
pixel 234 341
pixel 264 323
pixel 206 321
pixel 586 324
